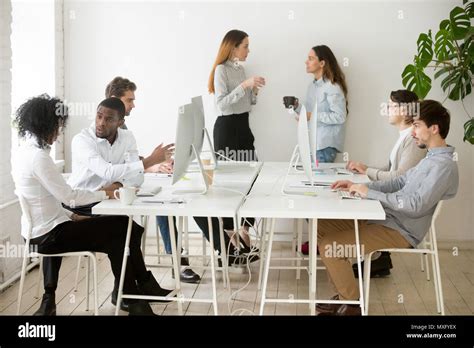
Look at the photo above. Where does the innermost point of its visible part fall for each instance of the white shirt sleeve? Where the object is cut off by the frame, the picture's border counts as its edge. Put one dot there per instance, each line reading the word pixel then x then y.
pixel 132 178
pixel 45 171
pixel 87 152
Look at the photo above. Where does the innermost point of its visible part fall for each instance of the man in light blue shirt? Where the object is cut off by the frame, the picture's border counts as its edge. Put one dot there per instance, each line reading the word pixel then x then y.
pixel 409 201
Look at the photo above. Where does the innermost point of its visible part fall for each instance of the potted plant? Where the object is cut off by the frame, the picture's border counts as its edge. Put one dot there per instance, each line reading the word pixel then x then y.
pixel 451 55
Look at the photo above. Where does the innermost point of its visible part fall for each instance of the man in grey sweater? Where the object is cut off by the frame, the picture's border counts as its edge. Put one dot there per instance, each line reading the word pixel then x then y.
pixel 409 201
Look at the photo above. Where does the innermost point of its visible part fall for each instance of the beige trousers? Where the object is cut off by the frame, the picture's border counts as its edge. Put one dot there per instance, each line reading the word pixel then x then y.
pixel 336 243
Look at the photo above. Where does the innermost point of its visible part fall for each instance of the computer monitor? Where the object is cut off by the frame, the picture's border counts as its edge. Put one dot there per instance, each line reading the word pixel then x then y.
pixel 200 131
pixel 199 123
pixel 183 152
pixel 304 144
pixel 313 135
pixel 185 149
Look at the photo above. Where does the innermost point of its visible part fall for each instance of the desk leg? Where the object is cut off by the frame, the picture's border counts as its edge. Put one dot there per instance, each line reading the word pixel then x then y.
pixel 223 255
pixel 359 267
pixel 299 241
pixel 176 254
pixel 213 265
pixel 180 237
pixel 268 256
pixel 263 236
pixel 126 252
pixel 313 239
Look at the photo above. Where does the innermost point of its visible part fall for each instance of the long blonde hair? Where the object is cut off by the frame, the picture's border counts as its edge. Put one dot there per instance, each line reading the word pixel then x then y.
pixel 231 40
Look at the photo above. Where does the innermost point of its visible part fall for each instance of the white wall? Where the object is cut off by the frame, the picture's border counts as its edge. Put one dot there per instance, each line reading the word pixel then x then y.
pixel 9 209
pixel 168 49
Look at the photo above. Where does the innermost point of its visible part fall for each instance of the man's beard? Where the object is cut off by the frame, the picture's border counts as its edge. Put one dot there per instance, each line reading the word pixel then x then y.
pixel 422 146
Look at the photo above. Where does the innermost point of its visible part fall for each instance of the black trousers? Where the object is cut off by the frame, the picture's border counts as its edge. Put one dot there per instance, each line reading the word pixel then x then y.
pixel 101 234
pixel 203 225
pixel 233 139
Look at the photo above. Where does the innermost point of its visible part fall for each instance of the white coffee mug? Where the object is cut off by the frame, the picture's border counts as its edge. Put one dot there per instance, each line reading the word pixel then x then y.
pixel 127 195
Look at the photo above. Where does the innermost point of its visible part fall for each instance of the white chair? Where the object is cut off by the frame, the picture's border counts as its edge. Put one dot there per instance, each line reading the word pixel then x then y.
pixel 27 254
pixel 428 247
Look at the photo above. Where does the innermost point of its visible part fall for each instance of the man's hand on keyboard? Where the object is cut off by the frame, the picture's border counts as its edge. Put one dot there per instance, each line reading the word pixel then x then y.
pixel 342 185
pixel 358 167
pixel 359 189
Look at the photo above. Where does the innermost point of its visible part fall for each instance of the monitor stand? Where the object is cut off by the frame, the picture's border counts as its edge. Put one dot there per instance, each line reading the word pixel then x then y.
pixel 201 191
pixel 295 157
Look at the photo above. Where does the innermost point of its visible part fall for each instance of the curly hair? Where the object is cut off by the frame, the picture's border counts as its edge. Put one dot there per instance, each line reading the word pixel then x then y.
pixel 41 117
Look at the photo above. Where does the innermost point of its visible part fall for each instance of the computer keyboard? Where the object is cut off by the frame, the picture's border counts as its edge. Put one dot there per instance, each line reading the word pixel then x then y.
pixel 348 195
pixel 148 191
pixel 343 171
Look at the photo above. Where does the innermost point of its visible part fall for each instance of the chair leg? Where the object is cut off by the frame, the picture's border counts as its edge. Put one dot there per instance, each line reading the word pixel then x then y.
pixel 40 275
pixel 78 268
pixel 88 261
pixel 22 281
pixel 435 284
pixel 96 288
pixel 425 257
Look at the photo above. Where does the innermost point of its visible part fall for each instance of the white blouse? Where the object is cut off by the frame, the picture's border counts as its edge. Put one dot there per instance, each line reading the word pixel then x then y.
pixel 38 180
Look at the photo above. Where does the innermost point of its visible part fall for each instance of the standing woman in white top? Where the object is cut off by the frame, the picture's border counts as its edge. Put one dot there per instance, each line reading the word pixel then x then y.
pixel 234 94
pixel 55 230
pixel 329 90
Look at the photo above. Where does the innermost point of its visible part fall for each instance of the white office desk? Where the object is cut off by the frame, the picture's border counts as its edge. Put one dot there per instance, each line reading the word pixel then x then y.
pixel 232 181
pixel 266 201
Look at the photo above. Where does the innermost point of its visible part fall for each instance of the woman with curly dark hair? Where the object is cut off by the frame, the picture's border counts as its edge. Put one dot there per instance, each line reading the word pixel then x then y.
pixel 53 230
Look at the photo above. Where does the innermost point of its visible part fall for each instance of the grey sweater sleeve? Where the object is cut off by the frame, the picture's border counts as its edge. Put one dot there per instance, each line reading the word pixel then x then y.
pixel 410 156
pixel 427 193
pixel 224 97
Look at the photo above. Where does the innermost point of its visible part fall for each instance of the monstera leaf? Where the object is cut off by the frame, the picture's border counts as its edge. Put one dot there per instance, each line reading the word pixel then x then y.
pixel 414 79
pixel 469 131
pixel 469 9
pixel 460 23
pixel 458 83
pixel 444 44
pixel 425 49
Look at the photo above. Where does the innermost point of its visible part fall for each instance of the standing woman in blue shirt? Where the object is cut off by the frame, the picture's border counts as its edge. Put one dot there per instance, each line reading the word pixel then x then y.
pixel 329 90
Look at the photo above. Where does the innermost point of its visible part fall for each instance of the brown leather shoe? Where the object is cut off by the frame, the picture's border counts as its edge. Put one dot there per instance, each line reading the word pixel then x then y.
pixel 328 308
pixel 348 310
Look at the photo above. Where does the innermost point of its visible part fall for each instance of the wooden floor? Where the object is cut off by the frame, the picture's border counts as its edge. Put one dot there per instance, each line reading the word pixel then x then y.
pixel 405 292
